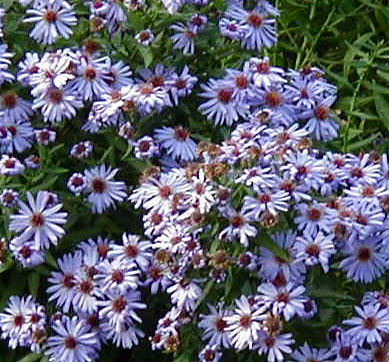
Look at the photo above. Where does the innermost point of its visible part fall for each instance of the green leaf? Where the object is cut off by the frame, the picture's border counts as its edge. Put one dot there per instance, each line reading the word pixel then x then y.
pixel 31 358
pixel 33 283
pixel 358 145
pixel 382 107
pixel 147 55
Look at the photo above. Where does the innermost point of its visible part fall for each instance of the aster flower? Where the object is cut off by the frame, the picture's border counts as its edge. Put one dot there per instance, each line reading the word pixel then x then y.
pixel 368 325
pixel 346 350
pixel 63 283
pixel 181 85
pixel 239 228
pixel 21 134
pixel 13 321
pixel 39 221
pixel 5 62
pixel 271 264
pixel 221 107
pixel 306 353
pixel 365 260
pixel 26 252
pixel 214 326
pixel 9 198
pixel 10 166
pixel 313 251
pixel 286 301
pixel 260 27
pixel 54 19
pixel 185 294
pixel 210 353
pixel 145 37
pixel 244 324
pixel 145 147
pixel 232 29
pixel 116 275
pixel 72 342
pixel 91 81
pixel 119 308
pixel 275 346
pixel 77 183
pixel 183 39
pixel 314 218
pixel 272 201
pixel 57 104
pixel 14 109
pixel 177 141
pixel 45 136
pixel 133 252
pixel 103 190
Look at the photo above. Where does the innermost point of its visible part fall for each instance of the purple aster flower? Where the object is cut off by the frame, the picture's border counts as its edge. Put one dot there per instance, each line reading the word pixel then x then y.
pixel 221 107
pixel 133 252
pixel 214 326
pixel 57 104
pixel 118 75
pixel 260 27
pixel 264 75
pixel 178 143
pixel 45 136
pixel 63 283
pixel 14 109
pixel 360 170
pixel 26 252
pixel 275 346
pixel 369 325
pixel 10 166
pixel 72 342
pixel 239 228
pixel 14 322
pixel 210 353
pixel 244 324
pixel 77 183
pixel 54 19
pixel 346 350
pixel 103 190
pixel 272 201
pixel 232 29
pixel 145 37
pixel 9 198
pixel 286 301
pixel 320 124
pixel 314 218
pixel 172 6
pixel 197 23
pixel 306 353
pixel 272 264
pixel 126 337
pixel 366 260
pixel 119 308
pixel 181 86
pixel 183 38
pixel 91 81
pixel 116 275
pixel 5 62
pixel 314 250
pixel 82 149
pixel 145 147
pixel 185 294
pixel 303 166
pixel 21 134
pixel 38 221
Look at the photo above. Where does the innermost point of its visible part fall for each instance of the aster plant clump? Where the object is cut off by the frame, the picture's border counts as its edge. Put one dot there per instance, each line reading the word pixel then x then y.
pixel 171 188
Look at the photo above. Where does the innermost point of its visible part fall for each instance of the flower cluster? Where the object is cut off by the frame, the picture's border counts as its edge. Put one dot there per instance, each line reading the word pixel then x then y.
pixel 98 283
